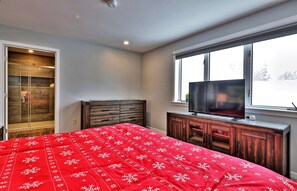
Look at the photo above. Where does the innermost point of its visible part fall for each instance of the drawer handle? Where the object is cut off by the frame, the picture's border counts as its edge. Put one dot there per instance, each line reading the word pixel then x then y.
pixel 105 110
pixel 104 120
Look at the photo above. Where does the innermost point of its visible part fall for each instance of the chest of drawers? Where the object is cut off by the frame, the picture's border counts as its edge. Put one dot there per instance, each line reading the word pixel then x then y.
pixel 100 113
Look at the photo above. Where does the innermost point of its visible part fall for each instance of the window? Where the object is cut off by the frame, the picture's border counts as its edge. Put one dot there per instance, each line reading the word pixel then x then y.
pixel 268 62
pixel 190 69
pixel 224 64
pixel 227 64
pixel 275 72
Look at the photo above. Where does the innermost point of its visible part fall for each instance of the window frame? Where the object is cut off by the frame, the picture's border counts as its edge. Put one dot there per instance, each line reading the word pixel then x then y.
pixel 247 42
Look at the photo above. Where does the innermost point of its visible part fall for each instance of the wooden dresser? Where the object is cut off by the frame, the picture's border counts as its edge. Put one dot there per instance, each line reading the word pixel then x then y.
pixel 263 143
pixel 108 112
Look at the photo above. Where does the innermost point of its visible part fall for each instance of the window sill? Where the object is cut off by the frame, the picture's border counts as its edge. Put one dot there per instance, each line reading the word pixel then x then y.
pixel 179 103
pixel 271 112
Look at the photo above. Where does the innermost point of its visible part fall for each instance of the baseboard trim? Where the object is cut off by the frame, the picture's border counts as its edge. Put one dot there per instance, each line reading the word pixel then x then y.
pixel 293 175
pixel 157 130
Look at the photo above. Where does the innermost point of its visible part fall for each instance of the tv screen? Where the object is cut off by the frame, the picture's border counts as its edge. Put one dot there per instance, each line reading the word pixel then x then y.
pixel 225 98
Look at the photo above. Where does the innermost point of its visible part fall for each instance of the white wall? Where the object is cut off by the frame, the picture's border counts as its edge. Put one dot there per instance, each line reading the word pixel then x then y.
pixel 157 67
pixel 87 71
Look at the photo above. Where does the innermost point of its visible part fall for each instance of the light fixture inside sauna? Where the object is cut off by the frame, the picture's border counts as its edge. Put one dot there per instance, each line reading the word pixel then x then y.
pixel 31 51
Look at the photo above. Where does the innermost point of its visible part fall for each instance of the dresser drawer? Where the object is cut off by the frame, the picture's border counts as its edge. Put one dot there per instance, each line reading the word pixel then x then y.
pixel 130 116
pixel 104 110
pixel 104 120
pixel 132 108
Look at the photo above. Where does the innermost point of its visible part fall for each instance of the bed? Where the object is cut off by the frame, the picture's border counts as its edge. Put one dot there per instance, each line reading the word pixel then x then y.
pixel 126 157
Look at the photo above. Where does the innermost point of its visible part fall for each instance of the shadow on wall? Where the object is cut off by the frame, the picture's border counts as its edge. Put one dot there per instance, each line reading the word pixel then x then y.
pixel 148 119
pixel 70 117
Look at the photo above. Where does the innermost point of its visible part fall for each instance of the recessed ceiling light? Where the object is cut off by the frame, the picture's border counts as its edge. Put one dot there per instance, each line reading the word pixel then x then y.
pixel 30 51
pixel 125 42
pixel 112 3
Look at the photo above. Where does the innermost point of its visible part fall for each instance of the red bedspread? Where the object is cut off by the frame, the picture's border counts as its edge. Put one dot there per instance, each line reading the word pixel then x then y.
pixel 126 157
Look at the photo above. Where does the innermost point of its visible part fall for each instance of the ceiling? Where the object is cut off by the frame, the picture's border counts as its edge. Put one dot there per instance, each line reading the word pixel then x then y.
pixel 147 24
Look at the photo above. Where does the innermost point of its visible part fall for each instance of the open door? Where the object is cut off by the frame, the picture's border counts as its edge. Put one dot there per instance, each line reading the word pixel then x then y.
pixel 29 90
pixel 5 94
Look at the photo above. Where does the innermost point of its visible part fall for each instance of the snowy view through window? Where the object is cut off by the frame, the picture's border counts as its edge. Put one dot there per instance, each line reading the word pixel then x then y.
pixel 275 72
pixel 226 64
pixel 192 71
pixel 273 69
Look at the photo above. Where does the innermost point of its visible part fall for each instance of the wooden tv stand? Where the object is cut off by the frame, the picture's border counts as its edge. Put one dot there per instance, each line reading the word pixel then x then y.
pixel 263 143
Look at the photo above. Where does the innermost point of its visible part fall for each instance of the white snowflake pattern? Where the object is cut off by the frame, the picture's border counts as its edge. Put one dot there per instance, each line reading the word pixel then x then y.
pixel 217 156
pixel 91 187
pixel 229 176
pixel 28 185
pixel 31 143
pixel 30 159
pixel 60 139
pixel 158 165
pixel 128 133
pixel 247 165
pixel 150 188
pixel 28 171
pixel 271 180
pixel 141 157
pixel 179 157
pixel 136 138
pixel 128 149
pixel 181 177
pixel 195 149
pixel 162 150
pixel 31 151
pixel 95 148
pixel 153 133
pixel 71 161
pixel 129 178
pixel 110 137
pixel 286 182
pixel 89 142
pixel 118 142
pixel 79 174
pixel 64 147
pixel 148 143
pixel 164 138
pixel 66 153
pixel 114 166
pixel 178 144
pixel 104 155
pixel 103 133
pixel 204 166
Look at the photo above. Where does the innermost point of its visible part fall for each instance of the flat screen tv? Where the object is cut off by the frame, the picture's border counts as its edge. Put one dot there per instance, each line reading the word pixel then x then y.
pixel 224 98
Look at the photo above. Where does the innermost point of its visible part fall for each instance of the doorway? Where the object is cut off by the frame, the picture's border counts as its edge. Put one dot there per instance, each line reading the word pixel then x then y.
pixel 30 92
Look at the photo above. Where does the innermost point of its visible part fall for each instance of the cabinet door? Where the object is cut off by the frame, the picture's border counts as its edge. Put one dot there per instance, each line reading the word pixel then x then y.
pixel 256 147
pixel 198 132
pixel 177 128
pixel 221 137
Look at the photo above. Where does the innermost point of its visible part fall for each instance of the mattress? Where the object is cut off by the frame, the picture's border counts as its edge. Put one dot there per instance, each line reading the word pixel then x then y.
pixel 126 157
